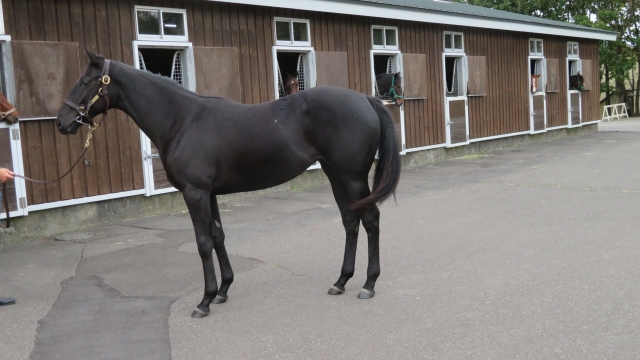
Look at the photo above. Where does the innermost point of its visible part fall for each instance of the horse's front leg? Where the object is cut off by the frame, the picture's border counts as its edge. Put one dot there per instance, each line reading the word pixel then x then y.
pixel 226 273
pixel 199 205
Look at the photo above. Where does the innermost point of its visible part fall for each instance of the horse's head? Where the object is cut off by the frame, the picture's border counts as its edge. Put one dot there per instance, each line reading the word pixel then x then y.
pixel 396 89
pixel 8 112
pixel 535 83
pixel 576 82
pixel 291 85
pixel 83 102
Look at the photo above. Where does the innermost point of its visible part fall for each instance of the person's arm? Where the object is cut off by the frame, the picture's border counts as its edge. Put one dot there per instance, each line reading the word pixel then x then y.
pixel 6 175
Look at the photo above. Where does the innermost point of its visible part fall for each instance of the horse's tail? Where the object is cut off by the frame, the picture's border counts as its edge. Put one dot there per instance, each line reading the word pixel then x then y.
pixel 387 172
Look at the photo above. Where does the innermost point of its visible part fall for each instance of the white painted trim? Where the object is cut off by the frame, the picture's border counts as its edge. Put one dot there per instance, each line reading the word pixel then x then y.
pixel 1 18
pixel 161 37
pixel 569 92
pixel 164 191
pixel 37 118
pixel 292 42
pixel 462 81
pixel 384 36
pixel 500 136
pixel 413 14
pixel 536 53
pixel 84 200
pixel 315 166
pixel 453 42
pixel 422 148
pixel 541 91
pixel 591 122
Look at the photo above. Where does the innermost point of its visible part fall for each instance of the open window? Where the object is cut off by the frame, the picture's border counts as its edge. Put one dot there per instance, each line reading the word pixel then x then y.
pixel 385 64
pixel 165 62
pixel 537 71
pixel 156 23
pixel 293 57
pixel 292 67
pixel 454 76
pixel 574 67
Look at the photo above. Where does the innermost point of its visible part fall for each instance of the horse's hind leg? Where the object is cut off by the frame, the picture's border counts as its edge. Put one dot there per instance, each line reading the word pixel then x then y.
pixel 199 205
pixel 226 273
pixel 371 223
pixel 351 223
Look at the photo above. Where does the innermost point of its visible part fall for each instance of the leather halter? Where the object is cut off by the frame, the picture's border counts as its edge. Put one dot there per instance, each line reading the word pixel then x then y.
pixel 392 90
pixel 83 111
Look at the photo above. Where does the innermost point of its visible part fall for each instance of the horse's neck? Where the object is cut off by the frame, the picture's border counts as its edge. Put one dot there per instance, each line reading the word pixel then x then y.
pixel 158 109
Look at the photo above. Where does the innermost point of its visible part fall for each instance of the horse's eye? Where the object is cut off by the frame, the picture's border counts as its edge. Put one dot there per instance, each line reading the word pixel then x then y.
pixel 84 83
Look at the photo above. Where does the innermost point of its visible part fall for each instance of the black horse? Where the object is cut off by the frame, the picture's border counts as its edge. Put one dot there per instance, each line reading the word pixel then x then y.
pixel 211 146
pixel 391 85
pixel 576 82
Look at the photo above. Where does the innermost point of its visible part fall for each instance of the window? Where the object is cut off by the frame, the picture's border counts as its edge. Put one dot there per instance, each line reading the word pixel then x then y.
pixel 165 62
pixel 161 24
pixel 293 32
pixel 384 63
pixel 453 42
pixel 537 70
pixel 454 76
pixel 572 49
pixel 535 47
pixel 384 37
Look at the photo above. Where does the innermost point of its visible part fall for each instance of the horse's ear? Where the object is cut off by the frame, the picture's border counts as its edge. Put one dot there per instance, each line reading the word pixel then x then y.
pixel 94 58
pixel 579 73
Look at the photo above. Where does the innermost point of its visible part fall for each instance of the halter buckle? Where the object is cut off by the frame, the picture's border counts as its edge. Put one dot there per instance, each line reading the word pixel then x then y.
pixel 106 79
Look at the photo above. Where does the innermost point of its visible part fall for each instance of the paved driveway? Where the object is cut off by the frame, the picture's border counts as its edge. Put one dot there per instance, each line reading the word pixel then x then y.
pixel 525 252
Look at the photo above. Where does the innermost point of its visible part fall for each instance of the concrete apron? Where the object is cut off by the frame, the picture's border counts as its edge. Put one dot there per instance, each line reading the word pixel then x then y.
pixel 46 223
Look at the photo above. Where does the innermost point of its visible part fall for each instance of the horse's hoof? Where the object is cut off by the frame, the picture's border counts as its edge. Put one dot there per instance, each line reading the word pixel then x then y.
pixel 366 294
pixel 336 290
pixel 219 299
pixel 199 313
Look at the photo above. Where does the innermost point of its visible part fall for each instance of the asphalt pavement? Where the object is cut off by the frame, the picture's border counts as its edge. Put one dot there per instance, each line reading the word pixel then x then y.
pixel 524 252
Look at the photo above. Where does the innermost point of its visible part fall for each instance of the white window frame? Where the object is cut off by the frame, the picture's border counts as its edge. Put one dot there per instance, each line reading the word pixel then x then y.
pixel 189 84
pixel 535 52
pixel 14 130
pixel 541 92
pixel 399 67
pixel 572 55
pixel 453 34
pixel 384 37
pixel 162 37
pixel 292 42
pixel 310 62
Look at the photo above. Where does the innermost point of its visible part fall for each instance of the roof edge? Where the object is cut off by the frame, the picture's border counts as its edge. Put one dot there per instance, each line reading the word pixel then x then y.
pixel 386 11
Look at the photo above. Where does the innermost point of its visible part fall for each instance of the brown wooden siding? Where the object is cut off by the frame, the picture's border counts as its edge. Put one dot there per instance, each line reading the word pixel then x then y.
pixel 107 27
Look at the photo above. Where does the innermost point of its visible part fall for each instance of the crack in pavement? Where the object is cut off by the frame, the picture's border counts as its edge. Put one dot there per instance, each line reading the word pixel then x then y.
pixel 272 264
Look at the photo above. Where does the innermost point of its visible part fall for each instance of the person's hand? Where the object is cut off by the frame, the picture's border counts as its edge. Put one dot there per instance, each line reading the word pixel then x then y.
pixel 6 175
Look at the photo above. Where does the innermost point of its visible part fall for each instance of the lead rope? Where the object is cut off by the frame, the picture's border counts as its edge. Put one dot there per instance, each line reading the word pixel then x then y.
pixel 106 80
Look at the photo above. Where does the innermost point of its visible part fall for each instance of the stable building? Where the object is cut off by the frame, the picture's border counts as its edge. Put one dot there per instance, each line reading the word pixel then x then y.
pixel 466 72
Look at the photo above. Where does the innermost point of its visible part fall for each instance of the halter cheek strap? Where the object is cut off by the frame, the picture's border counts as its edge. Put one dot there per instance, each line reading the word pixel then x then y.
pixel 104 80
pixel 392 91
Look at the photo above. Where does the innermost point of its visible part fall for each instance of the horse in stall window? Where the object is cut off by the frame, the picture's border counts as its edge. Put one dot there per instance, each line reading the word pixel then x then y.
pixel 390 85
pixel 290 82
pixel 8 112
pixel 576 82
pixel 212 146
pixel 535 81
